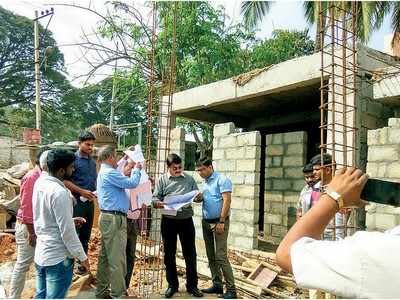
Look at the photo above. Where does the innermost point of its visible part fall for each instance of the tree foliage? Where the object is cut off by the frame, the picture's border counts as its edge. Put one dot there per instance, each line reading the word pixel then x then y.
pixel 17 84
pixel 207 50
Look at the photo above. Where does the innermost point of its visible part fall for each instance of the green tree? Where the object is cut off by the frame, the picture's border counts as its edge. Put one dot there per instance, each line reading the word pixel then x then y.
pixel 370 16
pixel 207 49
pixel 17 85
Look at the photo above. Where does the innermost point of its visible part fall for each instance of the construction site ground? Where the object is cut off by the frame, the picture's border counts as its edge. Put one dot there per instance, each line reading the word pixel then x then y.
pixel 83 287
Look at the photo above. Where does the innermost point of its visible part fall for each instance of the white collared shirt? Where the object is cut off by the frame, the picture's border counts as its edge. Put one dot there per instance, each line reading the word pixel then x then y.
pixel 54 227
pixel 365 265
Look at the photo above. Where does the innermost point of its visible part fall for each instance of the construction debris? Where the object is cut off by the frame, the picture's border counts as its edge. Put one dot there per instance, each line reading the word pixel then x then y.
pixel 7 247
pixel 244 78
pixel 249 264
pixel 9 194
pixel 263 275
pixel 18 171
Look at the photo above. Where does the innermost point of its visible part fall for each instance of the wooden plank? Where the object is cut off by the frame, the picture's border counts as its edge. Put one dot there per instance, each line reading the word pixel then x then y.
pixel 262 275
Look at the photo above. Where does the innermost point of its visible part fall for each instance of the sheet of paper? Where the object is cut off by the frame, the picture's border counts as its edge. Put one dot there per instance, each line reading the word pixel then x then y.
pixel 139 196
pixel 181 199
pixel 172 204
pixel 143 176
pixel 168 211
pixel 144 198
pixel 136 155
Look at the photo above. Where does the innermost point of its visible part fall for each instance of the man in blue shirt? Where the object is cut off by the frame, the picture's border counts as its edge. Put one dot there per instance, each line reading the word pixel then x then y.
pixel 82 184
pixel 114 205
pixel 217 190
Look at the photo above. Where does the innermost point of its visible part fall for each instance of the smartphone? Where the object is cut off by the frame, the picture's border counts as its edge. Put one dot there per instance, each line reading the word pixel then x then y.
pixel 382 192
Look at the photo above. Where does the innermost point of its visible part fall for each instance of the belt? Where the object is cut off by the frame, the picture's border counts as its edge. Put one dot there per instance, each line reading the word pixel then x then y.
pixel 211 221
pixel 113 212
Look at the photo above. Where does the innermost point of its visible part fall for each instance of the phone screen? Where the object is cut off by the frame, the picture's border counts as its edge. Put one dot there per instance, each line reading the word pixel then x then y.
pixel 382 192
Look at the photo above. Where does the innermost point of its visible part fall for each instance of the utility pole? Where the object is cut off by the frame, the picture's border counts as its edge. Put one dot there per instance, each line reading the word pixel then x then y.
pixel 37 69
pixel 37 60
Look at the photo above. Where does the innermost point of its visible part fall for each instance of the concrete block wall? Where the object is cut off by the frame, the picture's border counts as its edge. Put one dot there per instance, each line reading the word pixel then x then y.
pixel 373 115
pixel 177 143
pixel 237 155
pixel 384 163
pixel 9 155
pixel 285 158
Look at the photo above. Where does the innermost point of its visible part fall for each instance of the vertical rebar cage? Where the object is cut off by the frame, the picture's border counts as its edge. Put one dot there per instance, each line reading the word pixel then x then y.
pixel 151 252
pixel 338 93
pixel 149 242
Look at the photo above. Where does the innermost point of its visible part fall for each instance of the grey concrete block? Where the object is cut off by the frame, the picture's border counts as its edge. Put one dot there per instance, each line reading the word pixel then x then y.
pixel 394 122
pixel 273 150
pixel 278 231
pixel 281 184
pixel 273 196
pixel 294 137
pixel 224 129
pixel 382 153
pixel 293 161
pixel 295 172
pixel 274 173
pixel 394 135
pixel 273 218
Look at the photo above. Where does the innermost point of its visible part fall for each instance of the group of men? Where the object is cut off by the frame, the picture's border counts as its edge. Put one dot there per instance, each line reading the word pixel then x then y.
pixel 55 220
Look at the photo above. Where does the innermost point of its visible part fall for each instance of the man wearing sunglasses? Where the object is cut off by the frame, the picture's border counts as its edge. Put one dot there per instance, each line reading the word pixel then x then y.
pixel 176 182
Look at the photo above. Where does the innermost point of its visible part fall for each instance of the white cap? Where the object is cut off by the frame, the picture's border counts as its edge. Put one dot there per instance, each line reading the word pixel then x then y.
pixel 43 160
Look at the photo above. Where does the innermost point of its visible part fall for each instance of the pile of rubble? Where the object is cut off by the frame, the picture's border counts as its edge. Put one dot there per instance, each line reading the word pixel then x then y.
pixel 10 181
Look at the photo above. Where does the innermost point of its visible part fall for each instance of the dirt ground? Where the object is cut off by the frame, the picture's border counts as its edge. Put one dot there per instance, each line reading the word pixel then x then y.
pixel 7 247
pixel 86 289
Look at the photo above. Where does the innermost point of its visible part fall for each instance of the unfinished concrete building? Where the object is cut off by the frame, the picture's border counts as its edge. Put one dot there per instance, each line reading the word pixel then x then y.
pixel 266 129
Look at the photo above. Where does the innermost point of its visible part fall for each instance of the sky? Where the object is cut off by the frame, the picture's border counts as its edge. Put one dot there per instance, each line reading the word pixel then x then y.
pixel 68 23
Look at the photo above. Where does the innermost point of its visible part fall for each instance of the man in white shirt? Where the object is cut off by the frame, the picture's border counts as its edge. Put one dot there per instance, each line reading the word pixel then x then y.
pixel 57 241
pixel 304 203
pixel 323 169
pixel 365 265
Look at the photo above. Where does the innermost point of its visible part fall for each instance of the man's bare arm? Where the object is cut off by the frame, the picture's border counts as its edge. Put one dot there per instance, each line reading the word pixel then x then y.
pixel 226 206
pixel 348 183
pixel 78 190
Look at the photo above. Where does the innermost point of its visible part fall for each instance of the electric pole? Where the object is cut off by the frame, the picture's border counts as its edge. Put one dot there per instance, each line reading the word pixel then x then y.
pixel 37 69
pixel 37 61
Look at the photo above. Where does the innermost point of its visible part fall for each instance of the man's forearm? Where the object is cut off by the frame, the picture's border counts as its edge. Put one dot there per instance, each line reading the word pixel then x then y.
pixel 226 206
pixel 312 225
pixel 73 187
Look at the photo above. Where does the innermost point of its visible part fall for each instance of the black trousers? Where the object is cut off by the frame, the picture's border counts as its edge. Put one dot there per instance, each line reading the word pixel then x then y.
pixel 84 210
pixel 132 230
pixel 170 230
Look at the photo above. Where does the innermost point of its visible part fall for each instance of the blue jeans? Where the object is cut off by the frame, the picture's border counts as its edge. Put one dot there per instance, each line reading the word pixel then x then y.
pixel 53 282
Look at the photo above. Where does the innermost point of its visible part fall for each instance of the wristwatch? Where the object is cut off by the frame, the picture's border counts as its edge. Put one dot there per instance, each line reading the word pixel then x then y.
pixel 335 196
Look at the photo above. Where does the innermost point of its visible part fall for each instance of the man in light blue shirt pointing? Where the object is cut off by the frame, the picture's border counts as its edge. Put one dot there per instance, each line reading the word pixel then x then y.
pixel 217 190
pixel 114 205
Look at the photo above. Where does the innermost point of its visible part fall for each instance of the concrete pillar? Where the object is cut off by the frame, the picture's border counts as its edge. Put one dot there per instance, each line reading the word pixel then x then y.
pixel 177 143
pixel 166 122
pixel 237 155
pixel 383 163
